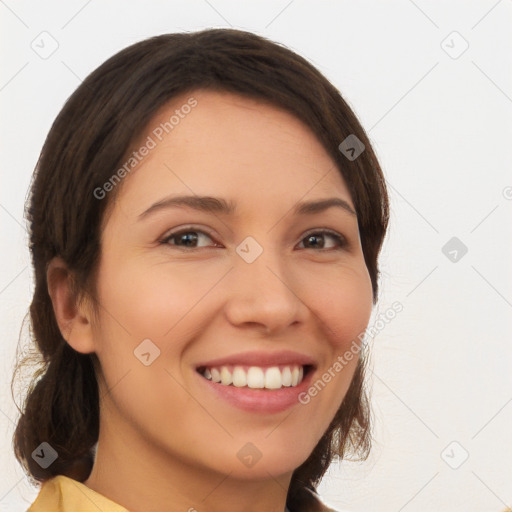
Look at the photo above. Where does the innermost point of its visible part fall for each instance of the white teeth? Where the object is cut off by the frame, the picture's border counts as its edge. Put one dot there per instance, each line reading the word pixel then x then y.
pixel 287 376
pixel 295 376
pixel 215 374
pixel 239 377
pixel 273 378
pixel 225 376
pixel 256 377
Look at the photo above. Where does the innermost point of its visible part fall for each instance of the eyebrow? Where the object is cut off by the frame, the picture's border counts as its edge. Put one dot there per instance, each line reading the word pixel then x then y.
pixel 211 204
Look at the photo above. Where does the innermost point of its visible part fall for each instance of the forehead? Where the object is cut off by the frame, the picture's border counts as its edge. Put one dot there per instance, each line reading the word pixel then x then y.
pixel 231 146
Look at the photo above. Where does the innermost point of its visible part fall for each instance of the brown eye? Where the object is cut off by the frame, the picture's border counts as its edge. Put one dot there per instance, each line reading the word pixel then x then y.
pixel 185 238
pixel 316 239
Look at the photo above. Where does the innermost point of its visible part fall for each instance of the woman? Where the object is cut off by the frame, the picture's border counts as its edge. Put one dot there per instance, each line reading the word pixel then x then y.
pixel 184 375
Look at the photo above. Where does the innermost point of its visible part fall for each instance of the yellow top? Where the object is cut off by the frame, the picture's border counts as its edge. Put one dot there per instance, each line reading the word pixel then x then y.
pixel 63 494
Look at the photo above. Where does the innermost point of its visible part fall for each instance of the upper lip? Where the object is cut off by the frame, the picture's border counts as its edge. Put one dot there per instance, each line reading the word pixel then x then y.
pixel 258 358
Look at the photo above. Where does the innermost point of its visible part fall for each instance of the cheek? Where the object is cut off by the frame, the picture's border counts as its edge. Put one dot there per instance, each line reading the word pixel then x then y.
pixel 343 304
pixel 150 300
pixel 137 303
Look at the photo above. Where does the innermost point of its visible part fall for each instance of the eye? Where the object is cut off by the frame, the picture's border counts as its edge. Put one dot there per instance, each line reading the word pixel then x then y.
pixel 313 237
pixel 189 237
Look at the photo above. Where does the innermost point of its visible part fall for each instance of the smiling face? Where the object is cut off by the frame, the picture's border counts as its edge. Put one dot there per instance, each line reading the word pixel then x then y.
pixel 254 286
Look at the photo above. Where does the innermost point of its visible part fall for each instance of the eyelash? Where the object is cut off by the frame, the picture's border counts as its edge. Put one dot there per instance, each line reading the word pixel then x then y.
pixel 340 239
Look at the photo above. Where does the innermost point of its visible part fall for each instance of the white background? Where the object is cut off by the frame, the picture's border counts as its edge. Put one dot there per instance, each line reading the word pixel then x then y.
pixel 442 129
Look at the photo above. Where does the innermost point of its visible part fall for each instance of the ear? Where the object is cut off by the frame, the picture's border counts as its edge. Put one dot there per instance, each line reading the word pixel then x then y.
pixel 73 319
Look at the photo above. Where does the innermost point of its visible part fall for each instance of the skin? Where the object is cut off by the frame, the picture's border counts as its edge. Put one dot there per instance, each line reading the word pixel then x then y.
pixel 164 444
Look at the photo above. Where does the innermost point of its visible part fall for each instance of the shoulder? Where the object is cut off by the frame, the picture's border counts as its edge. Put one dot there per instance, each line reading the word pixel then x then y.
pixel 63 494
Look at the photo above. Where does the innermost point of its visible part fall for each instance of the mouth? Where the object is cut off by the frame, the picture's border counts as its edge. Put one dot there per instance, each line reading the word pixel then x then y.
pixel 259 382
pixel 265 378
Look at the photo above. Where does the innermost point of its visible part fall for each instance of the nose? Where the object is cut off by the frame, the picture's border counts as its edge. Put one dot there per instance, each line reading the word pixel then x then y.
pixel 264 294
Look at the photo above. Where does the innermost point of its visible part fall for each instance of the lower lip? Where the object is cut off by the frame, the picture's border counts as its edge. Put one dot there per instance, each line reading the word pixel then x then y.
pixel 259 400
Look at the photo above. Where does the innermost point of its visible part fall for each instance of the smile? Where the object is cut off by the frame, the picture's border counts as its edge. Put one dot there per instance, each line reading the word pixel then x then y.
pixel 256 377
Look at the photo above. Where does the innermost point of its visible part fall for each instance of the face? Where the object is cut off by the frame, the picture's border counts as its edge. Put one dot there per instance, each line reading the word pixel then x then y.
pixel 265 294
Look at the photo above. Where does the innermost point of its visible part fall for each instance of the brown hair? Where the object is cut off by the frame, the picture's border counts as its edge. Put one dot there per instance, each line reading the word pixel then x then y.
pixel 85 146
